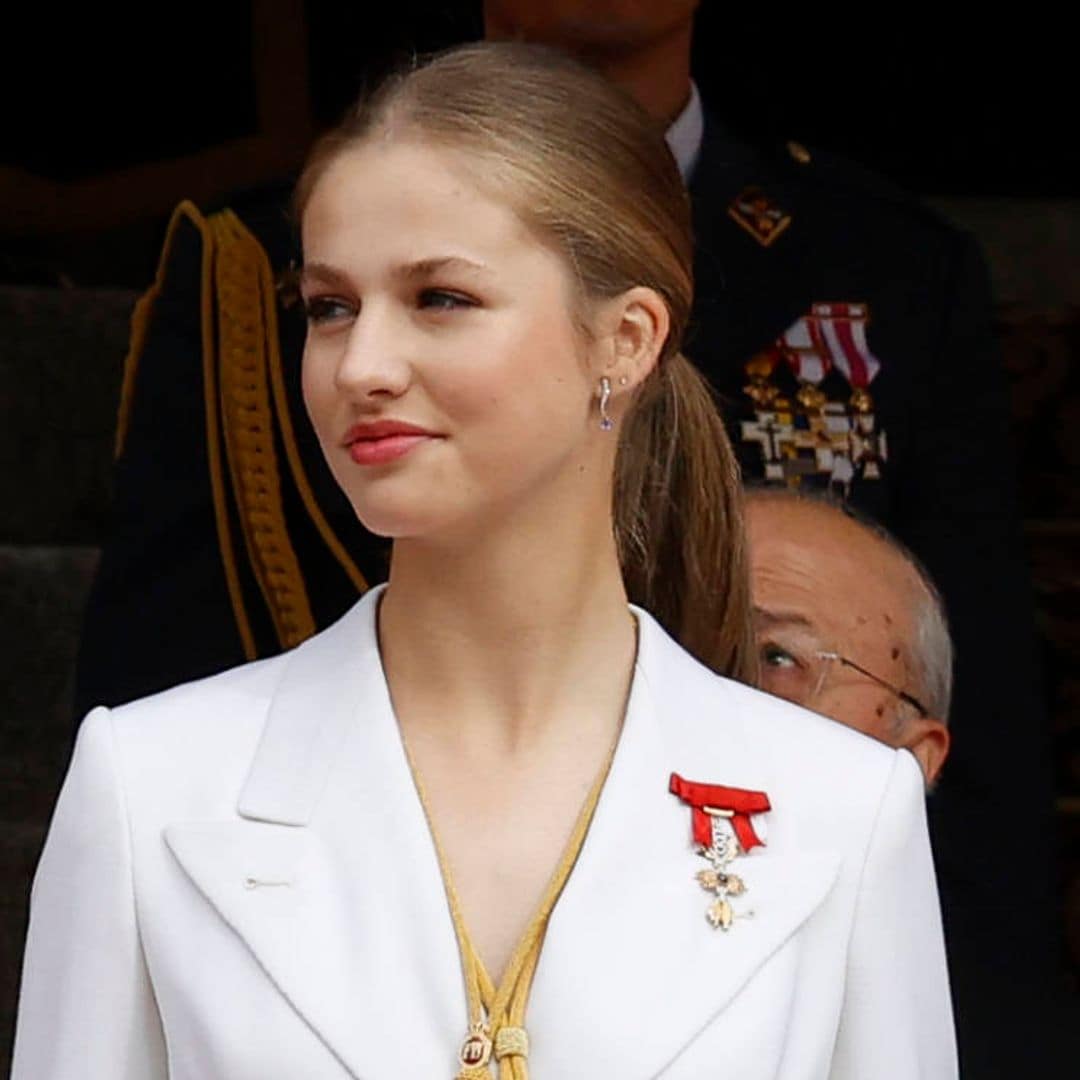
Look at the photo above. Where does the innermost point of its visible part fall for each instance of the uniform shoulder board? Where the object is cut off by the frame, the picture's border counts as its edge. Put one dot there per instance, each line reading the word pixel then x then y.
pixel 814 165
pixel 798 152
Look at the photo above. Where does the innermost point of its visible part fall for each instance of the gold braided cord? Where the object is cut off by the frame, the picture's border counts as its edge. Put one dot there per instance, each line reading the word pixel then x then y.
pixel 213 441
pixel 288 435
pixel 510 1042
pixel 249 433
pixel 500 1010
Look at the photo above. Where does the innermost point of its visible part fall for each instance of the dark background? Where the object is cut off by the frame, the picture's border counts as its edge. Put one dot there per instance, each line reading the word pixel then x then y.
pixel 943 106
pixel 961 106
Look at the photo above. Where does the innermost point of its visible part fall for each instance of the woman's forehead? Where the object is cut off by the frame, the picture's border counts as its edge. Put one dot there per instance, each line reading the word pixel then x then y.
pixel 380 208
pixel 413 187
pixel 407 169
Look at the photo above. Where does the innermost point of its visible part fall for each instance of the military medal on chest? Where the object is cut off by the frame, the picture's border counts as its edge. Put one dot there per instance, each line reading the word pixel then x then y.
pixel 815 432
pixel 719 880
pixel 722 830
pixel 844 328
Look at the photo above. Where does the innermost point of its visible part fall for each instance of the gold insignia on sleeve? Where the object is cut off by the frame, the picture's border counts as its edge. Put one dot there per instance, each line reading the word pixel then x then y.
pixel 756 212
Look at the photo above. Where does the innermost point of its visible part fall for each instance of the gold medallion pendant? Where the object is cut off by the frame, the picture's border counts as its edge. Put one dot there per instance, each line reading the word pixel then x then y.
pixel 475 1051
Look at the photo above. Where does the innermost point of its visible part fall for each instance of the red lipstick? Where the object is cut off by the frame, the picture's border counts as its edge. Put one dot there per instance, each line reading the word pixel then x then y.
pixel 383 441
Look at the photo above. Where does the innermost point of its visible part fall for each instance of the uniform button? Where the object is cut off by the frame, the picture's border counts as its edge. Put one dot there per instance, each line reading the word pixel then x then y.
pixel 799 152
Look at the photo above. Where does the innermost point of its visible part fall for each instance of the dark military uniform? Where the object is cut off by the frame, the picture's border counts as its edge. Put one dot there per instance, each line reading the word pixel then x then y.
pixel 848 332
pixel 817 280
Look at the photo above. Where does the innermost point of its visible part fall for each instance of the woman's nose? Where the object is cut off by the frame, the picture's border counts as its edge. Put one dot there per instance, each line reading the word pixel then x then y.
pixel 373 363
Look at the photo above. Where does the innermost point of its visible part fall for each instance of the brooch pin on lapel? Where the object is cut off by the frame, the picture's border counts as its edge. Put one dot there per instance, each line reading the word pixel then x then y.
pixel 721 825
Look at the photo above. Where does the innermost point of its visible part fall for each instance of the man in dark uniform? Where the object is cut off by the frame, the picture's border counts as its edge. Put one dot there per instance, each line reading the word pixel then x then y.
pixel 848 333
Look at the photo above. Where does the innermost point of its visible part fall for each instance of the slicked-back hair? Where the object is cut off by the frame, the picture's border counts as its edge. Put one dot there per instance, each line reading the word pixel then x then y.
pixel 590 173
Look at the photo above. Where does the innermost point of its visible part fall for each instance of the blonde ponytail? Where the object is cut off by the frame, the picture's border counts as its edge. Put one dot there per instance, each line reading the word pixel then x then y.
pixel 678 520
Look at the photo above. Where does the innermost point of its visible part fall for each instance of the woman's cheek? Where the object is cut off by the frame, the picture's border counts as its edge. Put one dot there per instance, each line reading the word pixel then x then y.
pixel 319 396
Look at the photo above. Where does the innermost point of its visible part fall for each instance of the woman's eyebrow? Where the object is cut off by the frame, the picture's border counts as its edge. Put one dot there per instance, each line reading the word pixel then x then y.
pixel 426 267
pixel 325 274
pixel 322 273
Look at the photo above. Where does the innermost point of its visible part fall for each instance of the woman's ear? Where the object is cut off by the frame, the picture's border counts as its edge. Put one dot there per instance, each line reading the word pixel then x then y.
pixel 632 330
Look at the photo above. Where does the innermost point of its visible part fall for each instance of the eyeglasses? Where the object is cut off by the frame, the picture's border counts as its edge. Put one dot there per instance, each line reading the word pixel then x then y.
pixel 903 695
pixel 794 667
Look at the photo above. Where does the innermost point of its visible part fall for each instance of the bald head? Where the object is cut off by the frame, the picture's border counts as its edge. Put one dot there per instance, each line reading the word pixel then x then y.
pixel 848 624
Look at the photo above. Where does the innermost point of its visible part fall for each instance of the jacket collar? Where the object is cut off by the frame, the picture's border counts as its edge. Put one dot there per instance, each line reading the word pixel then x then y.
pixel 327 683
pixel 630 965
pixel 329 808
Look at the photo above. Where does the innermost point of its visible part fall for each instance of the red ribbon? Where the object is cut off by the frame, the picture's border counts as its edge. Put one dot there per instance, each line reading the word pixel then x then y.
pixel 740 803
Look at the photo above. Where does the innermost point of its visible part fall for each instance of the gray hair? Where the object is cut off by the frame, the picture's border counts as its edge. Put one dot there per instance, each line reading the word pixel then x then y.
pixel 930 653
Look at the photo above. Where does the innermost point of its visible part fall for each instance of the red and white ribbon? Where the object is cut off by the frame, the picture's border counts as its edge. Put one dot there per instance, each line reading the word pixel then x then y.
pixel 737 802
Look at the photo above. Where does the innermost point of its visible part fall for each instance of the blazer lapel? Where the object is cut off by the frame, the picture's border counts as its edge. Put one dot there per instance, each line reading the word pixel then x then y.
pixel 631 971
pixel 349 924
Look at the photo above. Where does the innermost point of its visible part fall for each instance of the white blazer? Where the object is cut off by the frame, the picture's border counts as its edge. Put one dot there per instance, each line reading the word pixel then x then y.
pixel 239 884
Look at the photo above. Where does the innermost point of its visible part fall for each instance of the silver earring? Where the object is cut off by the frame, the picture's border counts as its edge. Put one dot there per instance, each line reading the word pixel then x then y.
pixel 606 423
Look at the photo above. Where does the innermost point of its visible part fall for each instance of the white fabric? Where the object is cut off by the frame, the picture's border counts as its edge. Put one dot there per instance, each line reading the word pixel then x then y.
pixel 239 884
pixel 685 134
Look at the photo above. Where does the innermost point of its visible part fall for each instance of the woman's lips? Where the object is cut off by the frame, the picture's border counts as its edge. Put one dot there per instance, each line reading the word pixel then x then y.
pixel 380 450
pixel 377 442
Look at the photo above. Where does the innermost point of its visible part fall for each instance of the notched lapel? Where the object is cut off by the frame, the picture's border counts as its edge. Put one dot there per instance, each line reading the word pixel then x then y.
pixel 270 883
pixel 783 891
pixel 246 870
pixel 650 962
pixel 628 948
pixel 327 875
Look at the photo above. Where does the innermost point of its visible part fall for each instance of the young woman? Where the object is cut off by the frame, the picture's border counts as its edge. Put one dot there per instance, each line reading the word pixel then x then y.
pixel 496 821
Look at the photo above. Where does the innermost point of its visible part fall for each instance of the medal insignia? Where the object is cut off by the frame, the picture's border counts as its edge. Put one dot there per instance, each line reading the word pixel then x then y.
pixel 755 212
pixel 722 830
pixel 824 427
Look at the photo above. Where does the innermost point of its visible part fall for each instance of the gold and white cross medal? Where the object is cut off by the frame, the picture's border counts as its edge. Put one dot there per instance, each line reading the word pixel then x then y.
pixel 717 880
pixel 722 829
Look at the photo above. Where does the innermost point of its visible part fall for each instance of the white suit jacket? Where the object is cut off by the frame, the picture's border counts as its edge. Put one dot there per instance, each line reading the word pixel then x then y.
pixel 239 884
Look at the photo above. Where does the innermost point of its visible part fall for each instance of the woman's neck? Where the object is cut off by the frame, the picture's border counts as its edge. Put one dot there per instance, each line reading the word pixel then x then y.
pixel 508 642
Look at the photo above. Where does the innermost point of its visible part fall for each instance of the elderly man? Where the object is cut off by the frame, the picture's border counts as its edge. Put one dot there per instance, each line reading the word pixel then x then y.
pixel 849 624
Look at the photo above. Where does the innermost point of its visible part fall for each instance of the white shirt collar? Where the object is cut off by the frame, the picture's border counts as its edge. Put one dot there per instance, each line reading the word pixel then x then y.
pixel 685 134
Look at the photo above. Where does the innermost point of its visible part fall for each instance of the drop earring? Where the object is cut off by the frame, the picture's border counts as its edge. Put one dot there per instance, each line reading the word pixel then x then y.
pixel 606 423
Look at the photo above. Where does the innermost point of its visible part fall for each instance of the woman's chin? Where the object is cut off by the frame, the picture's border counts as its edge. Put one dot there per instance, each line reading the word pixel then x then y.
pixel 394 523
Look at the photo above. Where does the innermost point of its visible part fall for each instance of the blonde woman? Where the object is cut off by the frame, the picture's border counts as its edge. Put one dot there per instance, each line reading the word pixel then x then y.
pixel 497 820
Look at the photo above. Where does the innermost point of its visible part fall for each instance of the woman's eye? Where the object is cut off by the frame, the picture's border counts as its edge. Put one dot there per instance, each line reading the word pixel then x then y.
pixel 321 309
pixel 775 657
pixel 442 300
